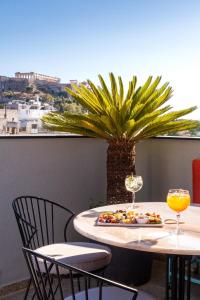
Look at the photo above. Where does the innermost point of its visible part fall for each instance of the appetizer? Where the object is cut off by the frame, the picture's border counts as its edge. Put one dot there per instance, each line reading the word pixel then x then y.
pixel 129 217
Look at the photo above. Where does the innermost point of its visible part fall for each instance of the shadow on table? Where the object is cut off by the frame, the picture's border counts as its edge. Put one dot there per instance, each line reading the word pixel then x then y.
pixel 92 214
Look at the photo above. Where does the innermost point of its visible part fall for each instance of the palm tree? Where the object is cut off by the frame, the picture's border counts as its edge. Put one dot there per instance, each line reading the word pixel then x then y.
pixel 122 120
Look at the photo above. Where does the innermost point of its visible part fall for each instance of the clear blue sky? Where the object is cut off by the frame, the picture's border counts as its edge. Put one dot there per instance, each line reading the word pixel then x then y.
pixel 78 39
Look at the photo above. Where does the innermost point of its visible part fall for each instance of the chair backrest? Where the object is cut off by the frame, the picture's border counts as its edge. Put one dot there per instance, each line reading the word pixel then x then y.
pixel 56 286
pixel 41 221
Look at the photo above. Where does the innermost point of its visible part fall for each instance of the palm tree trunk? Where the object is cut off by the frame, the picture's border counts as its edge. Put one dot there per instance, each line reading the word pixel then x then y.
pixel 120 162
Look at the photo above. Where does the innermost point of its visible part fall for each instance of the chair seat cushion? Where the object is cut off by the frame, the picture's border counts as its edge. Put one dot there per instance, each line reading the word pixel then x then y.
pixel 85 256
pixel 110 293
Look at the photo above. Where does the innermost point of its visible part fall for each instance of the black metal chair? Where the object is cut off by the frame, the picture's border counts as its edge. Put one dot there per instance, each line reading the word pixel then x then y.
pixel 93 287
pixel 41 223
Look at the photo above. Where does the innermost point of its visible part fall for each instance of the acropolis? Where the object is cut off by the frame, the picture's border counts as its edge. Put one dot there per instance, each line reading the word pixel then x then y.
pixel 31 76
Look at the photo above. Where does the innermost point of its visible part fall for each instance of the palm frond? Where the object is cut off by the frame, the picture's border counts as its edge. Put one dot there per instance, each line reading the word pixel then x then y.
pixel 86 103
pixel 121 90
pixel 179 125
pixel 105 90
pixel 67 121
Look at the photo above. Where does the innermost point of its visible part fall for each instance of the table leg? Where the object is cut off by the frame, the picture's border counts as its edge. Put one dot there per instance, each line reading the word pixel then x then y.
pixel 188 277
pixel 181 278
pixel 177 277
pixel 167 287
pixel 174 268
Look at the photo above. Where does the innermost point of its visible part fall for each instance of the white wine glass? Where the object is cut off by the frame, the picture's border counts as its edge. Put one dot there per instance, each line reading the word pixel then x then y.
pixel 133 184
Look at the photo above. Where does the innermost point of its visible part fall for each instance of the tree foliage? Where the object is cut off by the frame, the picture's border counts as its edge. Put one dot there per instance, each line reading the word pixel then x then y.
pixel 112 114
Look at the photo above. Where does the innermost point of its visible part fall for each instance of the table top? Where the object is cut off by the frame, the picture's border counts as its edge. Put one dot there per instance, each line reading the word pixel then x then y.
pixel 149 239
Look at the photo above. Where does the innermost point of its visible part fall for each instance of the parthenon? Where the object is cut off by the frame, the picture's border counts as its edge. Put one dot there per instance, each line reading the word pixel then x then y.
pixel 35 76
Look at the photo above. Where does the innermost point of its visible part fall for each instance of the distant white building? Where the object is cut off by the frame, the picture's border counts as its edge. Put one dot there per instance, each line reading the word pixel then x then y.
pixel 12 127
pixel 16 104
pixel 28 119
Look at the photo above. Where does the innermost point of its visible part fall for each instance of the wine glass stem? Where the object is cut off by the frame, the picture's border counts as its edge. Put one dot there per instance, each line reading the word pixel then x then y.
pixel 133 198
pixel 177 223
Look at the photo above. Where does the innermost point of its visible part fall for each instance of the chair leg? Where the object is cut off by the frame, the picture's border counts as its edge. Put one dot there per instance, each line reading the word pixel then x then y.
pixel 27 289
pixel 196 271
pixel 78 283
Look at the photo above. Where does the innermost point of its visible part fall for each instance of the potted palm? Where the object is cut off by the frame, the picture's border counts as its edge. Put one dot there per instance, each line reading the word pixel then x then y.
pixel 122 120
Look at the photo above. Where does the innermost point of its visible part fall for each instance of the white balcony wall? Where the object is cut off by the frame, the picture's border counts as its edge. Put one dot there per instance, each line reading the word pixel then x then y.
pixel 72 171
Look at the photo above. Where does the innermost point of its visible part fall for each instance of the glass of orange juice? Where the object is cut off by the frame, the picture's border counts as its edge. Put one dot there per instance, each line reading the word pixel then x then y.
pixel 178 200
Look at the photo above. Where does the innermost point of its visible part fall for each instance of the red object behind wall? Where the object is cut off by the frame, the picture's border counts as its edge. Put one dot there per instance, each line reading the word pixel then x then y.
pixel 196 181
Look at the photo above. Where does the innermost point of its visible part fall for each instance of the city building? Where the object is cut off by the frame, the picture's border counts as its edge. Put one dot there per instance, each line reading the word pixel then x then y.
pixel 31 76
pixel 76 82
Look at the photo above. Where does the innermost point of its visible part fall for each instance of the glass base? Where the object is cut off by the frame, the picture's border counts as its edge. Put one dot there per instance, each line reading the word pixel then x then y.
pixel 176 232
pixel 132 206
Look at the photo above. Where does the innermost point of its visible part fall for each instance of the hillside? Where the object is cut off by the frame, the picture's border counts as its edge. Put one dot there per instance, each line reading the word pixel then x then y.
pixel 23 89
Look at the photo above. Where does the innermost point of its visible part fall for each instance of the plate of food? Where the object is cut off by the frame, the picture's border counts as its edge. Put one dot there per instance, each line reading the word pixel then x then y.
pixel 130 218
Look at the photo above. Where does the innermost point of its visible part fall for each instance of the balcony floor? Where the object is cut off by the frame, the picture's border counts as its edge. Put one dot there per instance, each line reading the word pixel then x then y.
pixel 155 287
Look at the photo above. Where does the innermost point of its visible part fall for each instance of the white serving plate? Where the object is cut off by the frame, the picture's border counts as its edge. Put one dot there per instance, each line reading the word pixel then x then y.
pixel 128 225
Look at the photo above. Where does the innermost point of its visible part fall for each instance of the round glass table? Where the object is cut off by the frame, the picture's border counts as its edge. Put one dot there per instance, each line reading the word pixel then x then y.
pixel 178 249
